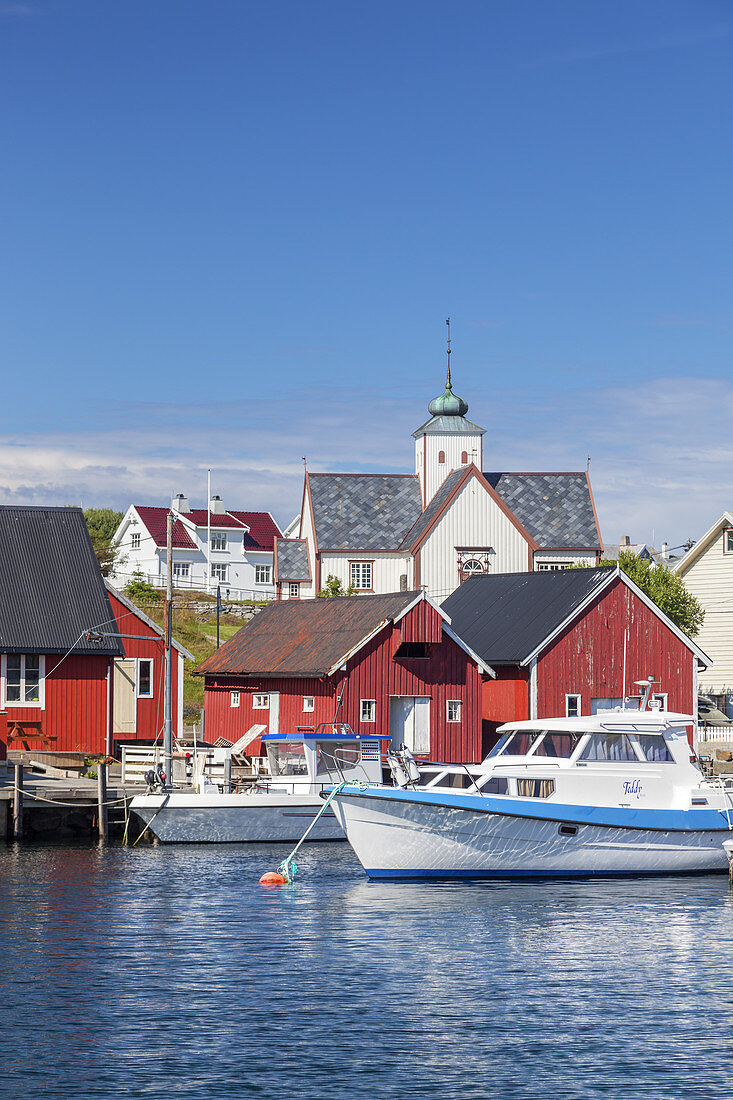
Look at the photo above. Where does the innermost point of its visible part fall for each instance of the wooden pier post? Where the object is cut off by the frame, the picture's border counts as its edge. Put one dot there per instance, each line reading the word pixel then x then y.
pixel 102 800
pixel 227 773
pixel 18 803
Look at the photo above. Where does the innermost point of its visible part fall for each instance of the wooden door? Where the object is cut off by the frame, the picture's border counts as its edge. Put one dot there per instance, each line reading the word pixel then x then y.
pixel 274 726
pixel 125 697
pixel 409 722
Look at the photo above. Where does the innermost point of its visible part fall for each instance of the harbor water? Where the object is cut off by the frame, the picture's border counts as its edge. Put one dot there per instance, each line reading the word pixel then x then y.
pixel 170 971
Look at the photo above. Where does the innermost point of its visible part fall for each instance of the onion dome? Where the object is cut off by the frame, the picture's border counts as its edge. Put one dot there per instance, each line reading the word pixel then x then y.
pixel 448 404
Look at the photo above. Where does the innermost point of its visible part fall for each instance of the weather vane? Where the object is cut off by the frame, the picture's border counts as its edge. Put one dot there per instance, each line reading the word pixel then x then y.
pixel 448 382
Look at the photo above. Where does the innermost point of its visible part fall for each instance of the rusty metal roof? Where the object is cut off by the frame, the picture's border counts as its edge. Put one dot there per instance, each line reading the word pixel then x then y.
pixel 304 637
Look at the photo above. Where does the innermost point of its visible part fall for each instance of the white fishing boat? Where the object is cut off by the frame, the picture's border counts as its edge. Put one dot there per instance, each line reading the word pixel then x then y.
pixel 617 793
pixel 277 808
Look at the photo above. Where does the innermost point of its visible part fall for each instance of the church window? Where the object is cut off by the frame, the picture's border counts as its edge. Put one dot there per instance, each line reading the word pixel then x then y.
pixel 472 566
pixel 464 458
pixel 441 458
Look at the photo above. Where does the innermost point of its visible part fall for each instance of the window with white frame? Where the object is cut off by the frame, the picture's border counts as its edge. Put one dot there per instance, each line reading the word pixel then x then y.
pixel 260 702
pixel 294 590
pixel 181 568
pixel 361 574
pixel 572 706
pixel 309 703
pixel 234 699
pixel 135 540
pixel 23 680
pixel 145 678
pixel 368 710
pixel 552 566
pixel 728 543
pixel 453 710
pixel 219 571
pixel 218 540
pixel 263 574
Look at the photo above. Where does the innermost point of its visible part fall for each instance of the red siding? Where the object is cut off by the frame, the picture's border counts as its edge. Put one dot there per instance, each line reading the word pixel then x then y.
pixel 372 673
pixel 75 708
pixel 506 699
pixel 150 712
pixel 587 659
pixel 422 624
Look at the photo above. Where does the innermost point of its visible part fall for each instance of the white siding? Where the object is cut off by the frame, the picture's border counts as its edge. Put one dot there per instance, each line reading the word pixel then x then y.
pixel 386 570
pixel 572 557
pixel 432 474
pixel 710 579
pixel 474 519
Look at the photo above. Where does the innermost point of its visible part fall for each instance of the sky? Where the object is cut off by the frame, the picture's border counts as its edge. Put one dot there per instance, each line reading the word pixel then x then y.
pixel 232 233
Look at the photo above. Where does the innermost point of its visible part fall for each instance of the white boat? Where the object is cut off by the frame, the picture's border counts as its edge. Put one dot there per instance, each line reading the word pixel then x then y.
pixel 279 808
pixel 618 793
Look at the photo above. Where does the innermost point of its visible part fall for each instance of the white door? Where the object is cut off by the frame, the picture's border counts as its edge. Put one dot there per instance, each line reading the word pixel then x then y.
pixel 125 697
pixel 409 722
pixel 274 726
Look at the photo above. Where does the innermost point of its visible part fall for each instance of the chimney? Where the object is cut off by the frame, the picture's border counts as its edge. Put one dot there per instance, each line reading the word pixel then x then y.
pixel 180 503
pixel 216 505
pixel 625 540
pixel 665 551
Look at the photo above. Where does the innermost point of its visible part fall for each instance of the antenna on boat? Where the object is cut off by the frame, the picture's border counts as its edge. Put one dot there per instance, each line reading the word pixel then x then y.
pixel 623 682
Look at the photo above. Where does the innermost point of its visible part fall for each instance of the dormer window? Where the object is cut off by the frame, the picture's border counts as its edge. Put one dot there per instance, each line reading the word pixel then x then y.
pixel 441 458
pixel 218 540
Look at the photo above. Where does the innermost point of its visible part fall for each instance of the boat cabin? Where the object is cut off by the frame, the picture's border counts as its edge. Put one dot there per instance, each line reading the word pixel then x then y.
pixel 309 763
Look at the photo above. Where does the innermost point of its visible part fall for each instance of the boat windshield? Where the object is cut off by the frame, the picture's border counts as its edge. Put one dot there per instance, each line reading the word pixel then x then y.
pixel 608 747
pixel 654 747
pixel 557 745
pixel 287 758
pixel 332 755
pixel 515 744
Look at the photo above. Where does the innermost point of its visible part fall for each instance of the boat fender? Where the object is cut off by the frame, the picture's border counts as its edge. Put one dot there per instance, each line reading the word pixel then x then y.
pixel 273 878
pixel 410 765
pixel 399 775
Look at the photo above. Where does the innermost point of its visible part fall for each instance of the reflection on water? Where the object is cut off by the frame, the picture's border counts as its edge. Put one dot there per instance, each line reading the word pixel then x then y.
pixel 172 971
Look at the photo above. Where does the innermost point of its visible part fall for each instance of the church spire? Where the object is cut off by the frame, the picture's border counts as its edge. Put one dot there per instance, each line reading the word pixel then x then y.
pixel 448 385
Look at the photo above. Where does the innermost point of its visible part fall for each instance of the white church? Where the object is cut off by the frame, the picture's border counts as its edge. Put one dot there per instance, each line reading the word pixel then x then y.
pixel 450 519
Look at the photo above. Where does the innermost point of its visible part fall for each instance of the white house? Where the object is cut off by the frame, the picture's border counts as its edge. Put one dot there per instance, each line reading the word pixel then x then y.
pixel 707 570
pixel 238 557
pixel 432 529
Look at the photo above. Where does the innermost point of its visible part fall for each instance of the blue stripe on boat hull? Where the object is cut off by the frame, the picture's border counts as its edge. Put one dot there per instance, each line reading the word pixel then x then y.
pixel 437 876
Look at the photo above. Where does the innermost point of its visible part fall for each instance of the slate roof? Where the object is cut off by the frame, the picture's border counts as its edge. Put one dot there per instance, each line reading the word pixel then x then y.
pixel 441 497
pixel 304 637
pixel 505 616
pixel 51 588
pixel 363 511
pixel 456 425
pixel 262 528
pixel 291 560
pixel 556 509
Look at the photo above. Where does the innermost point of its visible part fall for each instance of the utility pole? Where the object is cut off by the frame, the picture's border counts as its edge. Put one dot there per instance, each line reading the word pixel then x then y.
pixel 218 609
pixel 168 719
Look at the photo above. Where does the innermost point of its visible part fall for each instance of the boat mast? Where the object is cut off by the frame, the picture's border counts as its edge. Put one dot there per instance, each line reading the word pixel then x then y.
pixel 168 713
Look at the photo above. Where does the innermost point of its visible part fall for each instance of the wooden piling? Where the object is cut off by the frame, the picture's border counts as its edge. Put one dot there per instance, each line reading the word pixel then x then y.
pixel 18 803
pixel 227 773
pixel 102 813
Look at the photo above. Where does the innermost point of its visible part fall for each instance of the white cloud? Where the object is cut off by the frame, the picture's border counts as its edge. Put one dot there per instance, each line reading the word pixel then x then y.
pixel 661 452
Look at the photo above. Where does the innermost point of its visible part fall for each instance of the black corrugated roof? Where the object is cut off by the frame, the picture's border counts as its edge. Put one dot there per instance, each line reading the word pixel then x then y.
pixel 504 617
pixel 51 588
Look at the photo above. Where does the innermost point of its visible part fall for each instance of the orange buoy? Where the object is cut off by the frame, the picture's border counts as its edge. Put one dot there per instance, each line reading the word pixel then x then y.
pixel 273 878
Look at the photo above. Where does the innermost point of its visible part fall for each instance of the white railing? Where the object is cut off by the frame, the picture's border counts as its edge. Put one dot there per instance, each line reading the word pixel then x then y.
pixel 715 733
pixel 228 591
pixel 137 760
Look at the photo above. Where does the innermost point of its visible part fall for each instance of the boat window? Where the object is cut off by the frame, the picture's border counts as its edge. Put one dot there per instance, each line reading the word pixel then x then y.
pixel 499 746
pixel 535 788
pixel 495 785
pixel 558 745
pixel 457 781
pixel 287 758
pixel 608 747
pixel 332 755
pixel 519 743
pixel 654 747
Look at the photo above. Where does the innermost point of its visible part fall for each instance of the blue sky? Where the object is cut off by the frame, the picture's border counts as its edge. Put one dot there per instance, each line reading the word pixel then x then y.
pixel 232 233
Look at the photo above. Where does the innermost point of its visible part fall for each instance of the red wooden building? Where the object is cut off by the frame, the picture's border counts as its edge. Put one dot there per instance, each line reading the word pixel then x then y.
pixel 571 642
pixel 389 665
pixel 60 649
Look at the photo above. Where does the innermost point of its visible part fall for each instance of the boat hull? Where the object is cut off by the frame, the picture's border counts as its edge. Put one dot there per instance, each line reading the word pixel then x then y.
pixel 397 836
pixel 235 818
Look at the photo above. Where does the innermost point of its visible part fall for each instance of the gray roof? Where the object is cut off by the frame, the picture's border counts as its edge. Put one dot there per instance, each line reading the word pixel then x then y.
pixel 453 425
pixel 556 509
pixel 291 560
pixel 416 532
pixel 363 511
pixel 506 616
pixel 51 587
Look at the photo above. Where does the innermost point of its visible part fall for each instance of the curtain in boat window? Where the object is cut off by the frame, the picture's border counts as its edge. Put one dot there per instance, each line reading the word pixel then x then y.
pixel 654 747
pixel 608 747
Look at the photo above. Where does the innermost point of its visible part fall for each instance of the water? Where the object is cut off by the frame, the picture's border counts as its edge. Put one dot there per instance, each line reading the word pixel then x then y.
pixel 171 972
